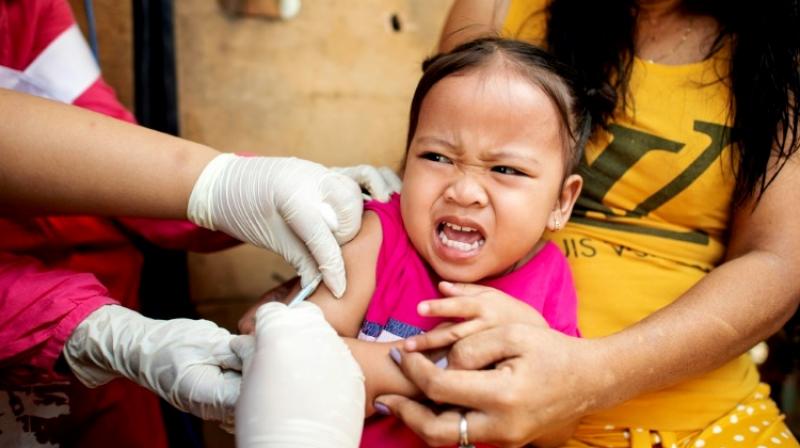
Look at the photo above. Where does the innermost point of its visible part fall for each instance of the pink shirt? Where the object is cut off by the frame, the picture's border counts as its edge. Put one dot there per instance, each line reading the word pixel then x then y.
pixel 402 280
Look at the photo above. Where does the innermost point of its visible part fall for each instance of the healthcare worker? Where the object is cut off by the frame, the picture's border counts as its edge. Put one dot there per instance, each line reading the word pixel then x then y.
pixel 57 272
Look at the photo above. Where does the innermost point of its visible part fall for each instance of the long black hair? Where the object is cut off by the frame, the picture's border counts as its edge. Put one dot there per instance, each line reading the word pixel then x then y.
pixel 597 37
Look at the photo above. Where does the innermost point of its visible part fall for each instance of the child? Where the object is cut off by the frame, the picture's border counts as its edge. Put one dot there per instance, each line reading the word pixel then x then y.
pixel 496 128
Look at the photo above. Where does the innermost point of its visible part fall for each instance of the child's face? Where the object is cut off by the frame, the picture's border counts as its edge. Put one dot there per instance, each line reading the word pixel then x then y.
pixel 483 174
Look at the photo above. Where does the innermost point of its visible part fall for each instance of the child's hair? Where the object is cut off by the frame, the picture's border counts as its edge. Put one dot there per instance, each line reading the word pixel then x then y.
pixel 557 80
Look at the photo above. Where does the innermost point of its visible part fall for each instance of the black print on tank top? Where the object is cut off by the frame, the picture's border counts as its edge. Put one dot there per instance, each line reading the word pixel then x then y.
pixel 626 148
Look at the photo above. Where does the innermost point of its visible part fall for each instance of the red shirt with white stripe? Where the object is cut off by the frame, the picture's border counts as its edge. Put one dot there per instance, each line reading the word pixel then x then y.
pixel 55 270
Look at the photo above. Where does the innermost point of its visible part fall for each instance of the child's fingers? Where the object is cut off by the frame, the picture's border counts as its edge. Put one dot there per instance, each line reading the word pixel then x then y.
pixel 453 307
pixel 443 337
pixel 461 289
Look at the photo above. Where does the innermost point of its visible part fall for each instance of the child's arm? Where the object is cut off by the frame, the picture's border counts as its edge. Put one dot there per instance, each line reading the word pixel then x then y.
pixel 346 314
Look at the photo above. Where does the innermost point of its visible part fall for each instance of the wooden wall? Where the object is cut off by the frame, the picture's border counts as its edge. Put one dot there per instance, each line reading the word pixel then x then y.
pixel 332 85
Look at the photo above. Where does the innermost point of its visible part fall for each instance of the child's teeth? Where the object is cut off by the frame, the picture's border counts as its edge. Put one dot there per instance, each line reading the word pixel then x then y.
pixel 464 247
pixel 460 228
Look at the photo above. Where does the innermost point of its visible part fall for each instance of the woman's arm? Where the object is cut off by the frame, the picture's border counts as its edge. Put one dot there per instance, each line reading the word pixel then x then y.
pixel 735 306
pixel 63 159
pixel 470 19
pixel 59 158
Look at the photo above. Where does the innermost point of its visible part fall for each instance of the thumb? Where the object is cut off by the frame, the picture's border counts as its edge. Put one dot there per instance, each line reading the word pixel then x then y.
pixel 297 254
pixel 320 253
pixel 391 401
pixel 243 347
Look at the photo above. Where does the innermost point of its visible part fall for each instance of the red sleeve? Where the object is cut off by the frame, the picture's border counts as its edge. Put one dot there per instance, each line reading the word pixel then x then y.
pixel 28 27
pixel 178 234
pixel 41 308
pixel 101 98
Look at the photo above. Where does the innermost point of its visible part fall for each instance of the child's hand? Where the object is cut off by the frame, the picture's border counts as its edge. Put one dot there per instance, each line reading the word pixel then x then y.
pixel 481 308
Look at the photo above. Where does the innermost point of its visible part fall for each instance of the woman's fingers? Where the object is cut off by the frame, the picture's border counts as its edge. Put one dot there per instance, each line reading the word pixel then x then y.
pixel 432 428
pixel 443 336
pixel 466 388
pixel 436 429
pixel 486 348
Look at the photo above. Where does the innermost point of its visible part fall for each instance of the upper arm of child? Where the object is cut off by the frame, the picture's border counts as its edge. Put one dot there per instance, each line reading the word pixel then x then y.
pixel 360 258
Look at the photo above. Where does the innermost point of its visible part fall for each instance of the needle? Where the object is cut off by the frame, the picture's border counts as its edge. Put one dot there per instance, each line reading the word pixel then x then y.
pixel 306 291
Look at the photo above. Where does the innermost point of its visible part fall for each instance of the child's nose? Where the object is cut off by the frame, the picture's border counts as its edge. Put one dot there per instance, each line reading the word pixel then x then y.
pixel 467 191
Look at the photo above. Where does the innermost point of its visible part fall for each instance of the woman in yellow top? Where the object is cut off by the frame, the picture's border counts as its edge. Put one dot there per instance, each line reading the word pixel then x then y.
pixel 684 244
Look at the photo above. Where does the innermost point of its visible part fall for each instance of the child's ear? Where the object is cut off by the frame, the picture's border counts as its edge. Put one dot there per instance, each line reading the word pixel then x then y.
pixel 566 200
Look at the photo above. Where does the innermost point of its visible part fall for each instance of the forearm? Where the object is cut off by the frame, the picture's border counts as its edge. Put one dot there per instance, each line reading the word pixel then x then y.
pixel 734 307
pixel 382 375
pixel 472 19
pixel 59 158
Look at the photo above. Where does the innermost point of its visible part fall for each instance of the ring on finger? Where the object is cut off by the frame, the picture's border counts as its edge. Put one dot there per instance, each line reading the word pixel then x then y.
pixel 463 432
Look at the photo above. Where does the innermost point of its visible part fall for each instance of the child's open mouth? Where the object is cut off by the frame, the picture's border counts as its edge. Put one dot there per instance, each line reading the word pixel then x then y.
pixel 460 237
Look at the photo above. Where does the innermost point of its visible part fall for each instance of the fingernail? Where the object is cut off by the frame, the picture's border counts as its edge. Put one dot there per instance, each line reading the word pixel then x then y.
pixel 394 353
pixel 381 408
pixel 423 308
pixel 447 284
pixel 410 345
pixel 441 363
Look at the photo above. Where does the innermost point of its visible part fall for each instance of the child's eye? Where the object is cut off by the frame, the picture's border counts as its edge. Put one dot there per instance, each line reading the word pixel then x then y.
pixel 508 170
pixel 435 157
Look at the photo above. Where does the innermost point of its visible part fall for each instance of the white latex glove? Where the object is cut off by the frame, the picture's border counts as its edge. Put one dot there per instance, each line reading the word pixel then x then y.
pixel 301 385
pixel 380 182
pixel 189 363
pixel 299 209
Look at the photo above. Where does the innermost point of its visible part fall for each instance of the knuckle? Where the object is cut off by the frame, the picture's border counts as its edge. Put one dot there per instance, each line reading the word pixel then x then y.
pixel 513 335
pixel 514 436
pixel 435 386
pixel 459 356
pixel 454 333
pixel 432 434
pixel 507 398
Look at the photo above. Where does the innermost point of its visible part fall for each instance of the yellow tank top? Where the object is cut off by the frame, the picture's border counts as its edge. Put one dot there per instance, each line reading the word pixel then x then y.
pixel 652 219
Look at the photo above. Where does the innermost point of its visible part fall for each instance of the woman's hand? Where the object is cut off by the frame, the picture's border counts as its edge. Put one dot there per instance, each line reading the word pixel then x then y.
pixel 539 382
pixel 192 364
pixel 296 208
pixel 379 182
pixel 301 386
pixel 481 308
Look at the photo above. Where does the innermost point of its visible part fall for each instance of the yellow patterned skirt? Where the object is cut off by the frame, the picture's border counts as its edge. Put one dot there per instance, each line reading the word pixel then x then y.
pixel 756 422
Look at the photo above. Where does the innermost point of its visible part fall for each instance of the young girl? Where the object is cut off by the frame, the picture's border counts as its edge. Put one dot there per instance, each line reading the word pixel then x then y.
pixel 496 128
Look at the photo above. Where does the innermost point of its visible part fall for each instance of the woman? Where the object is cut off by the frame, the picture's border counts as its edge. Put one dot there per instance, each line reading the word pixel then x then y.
pixel 685 248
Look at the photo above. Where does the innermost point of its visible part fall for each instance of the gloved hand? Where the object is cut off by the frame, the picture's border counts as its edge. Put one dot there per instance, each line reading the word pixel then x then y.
pixel 301 385
pixel 380 182
pixel 189 363
pixel 299 209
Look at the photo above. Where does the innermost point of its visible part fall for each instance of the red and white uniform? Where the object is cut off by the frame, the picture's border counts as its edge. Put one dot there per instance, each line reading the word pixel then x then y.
pixel 55 270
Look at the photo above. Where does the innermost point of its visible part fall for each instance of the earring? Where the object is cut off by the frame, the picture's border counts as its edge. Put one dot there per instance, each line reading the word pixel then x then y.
pixel 556 223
